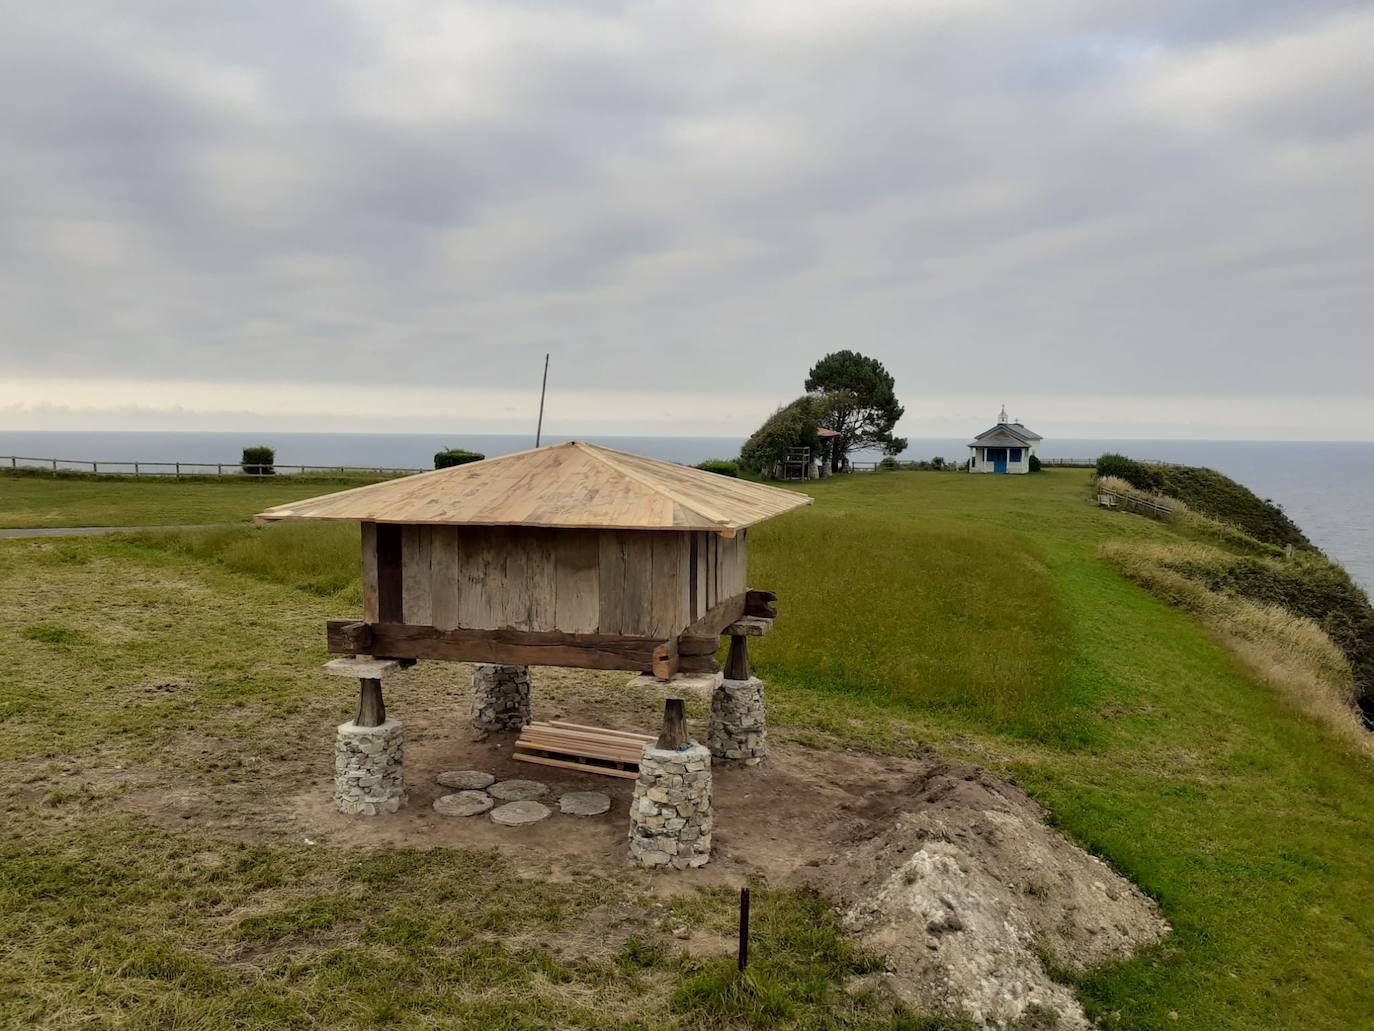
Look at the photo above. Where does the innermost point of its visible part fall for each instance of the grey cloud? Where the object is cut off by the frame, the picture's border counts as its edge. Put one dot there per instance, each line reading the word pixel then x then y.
pixel 1057 197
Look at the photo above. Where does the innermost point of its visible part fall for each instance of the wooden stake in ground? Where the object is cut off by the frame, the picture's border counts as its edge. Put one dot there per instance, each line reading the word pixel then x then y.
pixel 743 928
pixel 371 707
pixel 674 733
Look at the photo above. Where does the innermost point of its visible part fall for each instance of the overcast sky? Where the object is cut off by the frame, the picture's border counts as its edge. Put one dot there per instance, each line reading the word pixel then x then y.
pixel 1128 219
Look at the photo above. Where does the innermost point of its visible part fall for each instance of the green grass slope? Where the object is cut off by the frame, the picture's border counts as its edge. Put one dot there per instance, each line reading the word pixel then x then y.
pixel 28 500
pixel 1149 743
pixel 968 613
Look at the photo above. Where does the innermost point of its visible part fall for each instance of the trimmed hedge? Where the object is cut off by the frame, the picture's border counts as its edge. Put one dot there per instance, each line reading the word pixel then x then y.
pixel 258 461
pixel 455 456
pixel 720 466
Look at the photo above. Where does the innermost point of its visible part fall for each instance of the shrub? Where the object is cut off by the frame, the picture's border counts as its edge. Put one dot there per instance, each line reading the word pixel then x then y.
pixel 720 466
pixel 888 463
pixel 792 425
pixel 1035 463
pixel 1209 492
pixel 938 463
pixel 455 456
pixel 1137 474
pixel 257 461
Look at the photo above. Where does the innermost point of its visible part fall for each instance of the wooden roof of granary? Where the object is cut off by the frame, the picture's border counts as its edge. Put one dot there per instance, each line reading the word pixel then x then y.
pixel 572 485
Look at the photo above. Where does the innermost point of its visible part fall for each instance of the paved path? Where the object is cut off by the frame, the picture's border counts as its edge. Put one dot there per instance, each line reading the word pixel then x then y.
pixel 96 531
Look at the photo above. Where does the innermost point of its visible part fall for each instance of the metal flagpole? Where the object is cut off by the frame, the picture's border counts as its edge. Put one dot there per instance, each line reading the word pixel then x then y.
pixel 539 430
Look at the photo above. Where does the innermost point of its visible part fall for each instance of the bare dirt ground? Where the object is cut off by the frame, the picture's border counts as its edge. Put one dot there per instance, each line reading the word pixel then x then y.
pixel 948 871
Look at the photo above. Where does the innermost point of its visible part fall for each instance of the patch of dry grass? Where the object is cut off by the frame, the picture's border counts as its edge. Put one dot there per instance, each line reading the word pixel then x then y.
pixel 1289 652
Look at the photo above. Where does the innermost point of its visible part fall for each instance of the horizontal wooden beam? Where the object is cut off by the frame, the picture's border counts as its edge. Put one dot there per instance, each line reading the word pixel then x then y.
pixel 353 637
pixel 515 647
pixel 718 617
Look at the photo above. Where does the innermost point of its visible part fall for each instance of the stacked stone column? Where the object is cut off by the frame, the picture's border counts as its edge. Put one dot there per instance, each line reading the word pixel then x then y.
pixel 369 771
pixel 500 696
pixel 739 722
pixel 739 719
pixel 368 768
pixel 670 815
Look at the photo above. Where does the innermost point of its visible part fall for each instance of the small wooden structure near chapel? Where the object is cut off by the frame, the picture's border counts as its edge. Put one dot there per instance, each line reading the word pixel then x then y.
pixel 567 555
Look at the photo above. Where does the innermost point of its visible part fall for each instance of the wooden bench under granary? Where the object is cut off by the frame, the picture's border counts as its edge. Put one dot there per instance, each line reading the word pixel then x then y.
pixel 568 555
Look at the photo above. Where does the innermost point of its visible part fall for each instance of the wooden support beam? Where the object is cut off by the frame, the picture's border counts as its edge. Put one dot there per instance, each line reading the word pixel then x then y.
pixel 371 707
pixel 737 663
pixel 674 733
pixel 666 659
pixel 353 637
pixel 718 617
pixel 760 603
pixel 518 647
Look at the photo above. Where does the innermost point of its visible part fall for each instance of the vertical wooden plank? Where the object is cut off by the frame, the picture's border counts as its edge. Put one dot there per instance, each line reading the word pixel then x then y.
pixel 577 570
pixel 731 569
pixel 369 554
pixel 389 560
pixel 473 610
pixel 666 608
pixel 742 561
pixel 639 581
pixel 513 546
pixel 703 567
pixel 443 576
pixel 611 583
pixel 542 575
pixel 712 558
pixel 415 575
pixel 694 609
pixel 684 581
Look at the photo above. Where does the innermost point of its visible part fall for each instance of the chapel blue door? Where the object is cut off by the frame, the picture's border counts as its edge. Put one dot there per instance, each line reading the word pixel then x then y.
pixel 1000 466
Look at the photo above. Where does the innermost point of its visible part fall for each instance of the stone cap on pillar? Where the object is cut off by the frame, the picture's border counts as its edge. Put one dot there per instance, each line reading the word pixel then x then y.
pixel 679 685
pixel 749 626
pixel 361 667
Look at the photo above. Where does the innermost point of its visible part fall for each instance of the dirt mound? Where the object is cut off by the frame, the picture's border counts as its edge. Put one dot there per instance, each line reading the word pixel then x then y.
pixel 959 881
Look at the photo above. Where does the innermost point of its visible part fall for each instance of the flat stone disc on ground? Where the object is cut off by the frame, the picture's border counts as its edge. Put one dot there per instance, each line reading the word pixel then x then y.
pixel 464 803
pixel 518 790
pixel 466 780
pixel 584 803
pixel 517 814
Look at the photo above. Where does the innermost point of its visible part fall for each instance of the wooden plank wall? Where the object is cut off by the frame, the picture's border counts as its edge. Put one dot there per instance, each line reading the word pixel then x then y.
pixel 631 582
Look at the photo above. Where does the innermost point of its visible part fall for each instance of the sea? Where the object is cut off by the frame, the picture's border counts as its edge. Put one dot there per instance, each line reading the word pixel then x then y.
pixel 1327 488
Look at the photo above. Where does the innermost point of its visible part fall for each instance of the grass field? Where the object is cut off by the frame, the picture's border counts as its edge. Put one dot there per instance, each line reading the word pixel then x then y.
pixel 38 501
pixel 972 614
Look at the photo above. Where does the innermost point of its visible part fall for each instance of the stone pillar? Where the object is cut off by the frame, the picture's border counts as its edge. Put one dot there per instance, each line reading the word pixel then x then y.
pixel 670 815
pixel 500 696
pixel 368 771
pixel 739 722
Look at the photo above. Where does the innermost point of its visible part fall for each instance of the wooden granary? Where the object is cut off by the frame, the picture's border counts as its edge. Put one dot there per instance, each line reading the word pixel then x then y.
pixel 567 555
